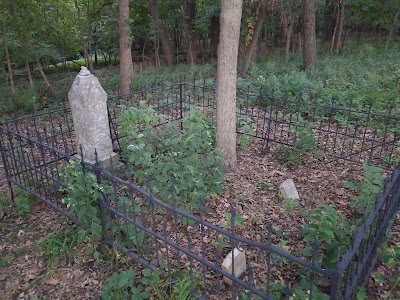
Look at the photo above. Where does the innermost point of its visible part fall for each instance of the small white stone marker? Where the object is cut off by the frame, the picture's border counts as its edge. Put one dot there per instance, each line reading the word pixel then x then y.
pixel 88 102
pixel 239 261
pixel 288 190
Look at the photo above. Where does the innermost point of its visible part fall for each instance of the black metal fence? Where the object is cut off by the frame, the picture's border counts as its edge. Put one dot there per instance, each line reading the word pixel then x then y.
pixel 35 150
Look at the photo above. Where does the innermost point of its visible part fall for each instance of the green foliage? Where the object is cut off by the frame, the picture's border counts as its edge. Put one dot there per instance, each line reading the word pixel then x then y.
pixel 328 228
pixel 60 245
pixel 364 77
pixel 226 222
pixel 186 163
pixel 245 125
pixel 290 204
pixel 170 75
pixel 368 189
pixel 6 261
pixel 83 193
pixel 390 255
pixel 23 204
pixel 305 144
pixel 181 288
pixel 128 285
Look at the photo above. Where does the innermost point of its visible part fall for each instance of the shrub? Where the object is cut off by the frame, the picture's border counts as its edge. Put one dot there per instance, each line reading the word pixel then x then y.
pixel 182 166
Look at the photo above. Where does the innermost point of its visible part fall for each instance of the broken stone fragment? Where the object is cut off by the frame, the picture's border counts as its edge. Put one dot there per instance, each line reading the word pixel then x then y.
pixel 288 190
pixel 238 261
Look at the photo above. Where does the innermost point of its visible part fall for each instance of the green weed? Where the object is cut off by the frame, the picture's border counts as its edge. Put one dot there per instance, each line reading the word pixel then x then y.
pixel 60 246
pixel 368 189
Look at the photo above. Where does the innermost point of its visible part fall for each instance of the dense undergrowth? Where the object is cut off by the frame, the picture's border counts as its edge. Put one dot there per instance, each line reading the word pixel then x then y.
pixel 362 76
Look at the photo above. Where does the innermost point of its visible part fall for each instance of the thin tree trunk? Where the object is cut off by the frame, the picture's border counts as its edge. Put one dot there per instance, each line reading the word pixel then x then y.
pixel 300 44
pixel 361 33
pixel 392 29
pixel 10 75
pixel 231 11
pixel 28 69
pixel 89 36
pixel 253 44
pixel 165 41
pixel 310 43
pixel 193 37
pixel 125 44
pixel 81 36
pixel 288 37
pixel 333 40
pixel 329 20
pixel 43 74
pixel 214 38
pixel 338 40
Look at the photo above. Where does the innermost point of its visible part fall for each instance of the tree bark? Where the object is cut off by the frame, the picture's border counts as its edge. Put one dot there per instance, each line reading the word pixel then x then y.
pixel 310 43
pixel 125 43
pixel 339 40
pixel 392 30
pixel 334 34
pixel 214 35
pixel 231 12
pixel 165 41
pixel 253 44
pixel 288 37
pixel 28 69
pixel 329 20
pixel 193 37
pixel 81 36
pixel 10 75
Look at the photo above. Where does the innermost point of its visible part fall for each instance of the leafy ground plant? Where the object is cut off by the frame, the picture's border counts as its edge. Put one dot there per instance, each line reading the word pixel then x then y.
pixel 82 197
pixel 368 189
pixel 327 227
pixel 181 166
pixel 129 285
pixel 305 144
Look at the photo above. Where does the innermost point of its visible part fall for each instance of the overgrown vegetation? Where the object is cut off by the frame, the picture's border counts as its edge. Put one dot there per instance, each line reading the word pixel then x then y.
pixel 182 166
pixel 148 284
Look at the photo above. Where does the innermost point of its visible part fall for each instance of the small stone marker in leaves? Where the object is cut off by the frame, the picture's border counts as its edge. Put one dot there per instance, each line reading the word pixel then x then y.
pixel 288 190
pixel 238 261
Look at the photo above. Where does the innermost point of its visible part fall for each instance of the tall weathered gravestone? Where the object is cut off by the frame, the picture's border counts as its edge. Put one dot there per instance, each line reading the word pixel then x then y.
pixel 88 102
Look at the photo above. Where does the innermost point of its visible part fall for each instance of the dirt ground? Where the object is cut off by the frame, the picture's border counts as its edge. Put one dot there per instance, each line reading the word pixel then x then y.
pixel 30 270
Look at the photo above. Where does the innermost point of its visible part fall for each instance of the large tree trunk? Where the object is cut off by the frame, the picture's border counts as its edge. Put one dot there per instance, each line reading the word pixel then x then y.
pixel 392 29
pixel 162 32
pixel 125 43
pixel 253 44
pixel 214 36
pixel 310 43
pixel 193 37
pixel 231 12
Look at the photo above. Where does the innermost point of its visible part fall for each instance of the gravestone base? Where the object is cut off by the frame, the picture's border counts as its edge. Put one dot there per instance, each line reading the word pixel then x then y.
pixel 105 162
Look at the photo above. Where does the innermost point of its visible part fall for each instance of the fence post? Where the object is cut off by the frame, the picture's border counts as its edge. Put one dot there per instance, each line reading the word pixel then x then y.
pixel 181 104
pixel 88 102
pixel 6 171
